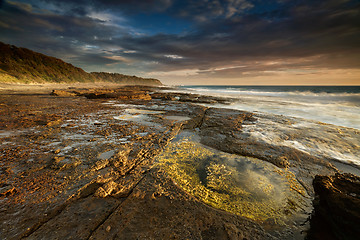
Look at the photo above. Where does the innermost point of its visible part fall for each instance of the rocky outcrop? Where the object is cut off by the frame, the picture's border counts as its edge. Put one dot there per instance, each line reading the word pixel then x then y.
pixel 222 129
pixel 225 126
pixel 119 94
pixel 93 177
pixel 72 168
pixel 187 97
pixel 336 208
pixel 125 93
pixel 63 93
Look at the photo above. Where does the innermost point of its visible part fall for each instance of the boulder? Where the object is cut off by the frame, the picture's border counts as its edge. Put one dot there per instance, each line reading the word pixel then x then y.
pixel 336 207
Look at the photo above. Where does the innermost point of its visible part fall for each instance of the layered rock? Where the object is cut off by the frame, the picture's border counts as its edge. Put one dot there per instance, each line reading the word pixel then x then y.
pixel 128 93
pixel 121 95
pixel 187 97
pixel 92 175
pixel 336 208
pixel 74 168
pixel 222 129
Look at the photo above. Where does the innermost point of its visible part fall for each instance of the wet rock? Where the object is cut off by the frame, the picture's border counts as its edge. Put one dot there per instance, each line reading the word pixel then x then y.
pixel 119 94
pixel 336 208
pixel 125 93
pixel 121 160
pixel 106 155
pixel 282 161
pixel 222 129
pixel 122 191
pixel 100 164
pixel 106 189
pixel 6 190
pixel 172 214
pixel 186 97
pixel 88 189
pixel 58 159
pixel 63 93
pixel 76 220
pixel 54 193
pixel 225 119
pixel 54 122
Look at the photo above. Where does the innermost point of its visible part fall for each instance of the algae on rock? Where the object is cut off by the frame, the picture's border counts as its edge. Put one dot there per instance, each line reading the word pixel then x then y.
pixel 241 185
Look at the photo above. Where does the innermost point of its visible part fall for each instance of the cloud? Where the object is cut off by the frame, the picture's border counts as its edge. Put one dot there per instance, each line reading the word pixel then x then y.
pixel 73 38
pixel 72 6
pixel 229 38
pixel 177 73
pixel 327 32
pixel 173 56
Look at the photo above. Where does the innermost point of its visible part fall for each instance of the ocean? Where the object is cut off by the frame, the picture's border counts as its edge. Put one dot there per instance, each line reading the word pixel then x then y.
pixel 338 105
pixel 325 120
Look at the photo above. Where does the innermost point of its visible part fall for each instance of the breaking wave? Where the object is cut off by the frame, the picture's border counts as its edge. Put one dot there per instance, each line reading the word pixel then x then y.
pixel 328 104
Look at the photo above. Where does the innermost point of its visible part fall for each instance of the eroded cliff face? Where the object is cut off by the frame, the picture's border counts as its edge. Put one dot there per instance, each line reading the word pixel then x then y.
pixel 132 163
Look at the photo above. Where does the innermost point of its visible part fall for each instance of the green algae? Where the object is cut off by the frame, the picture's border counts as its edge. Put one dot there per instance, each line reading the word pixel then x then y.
pixel 241 185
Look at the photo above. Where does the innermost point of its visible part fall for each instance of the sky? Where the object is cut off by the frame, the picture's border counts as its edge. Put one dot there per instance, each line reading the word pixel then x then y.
pixel 191 42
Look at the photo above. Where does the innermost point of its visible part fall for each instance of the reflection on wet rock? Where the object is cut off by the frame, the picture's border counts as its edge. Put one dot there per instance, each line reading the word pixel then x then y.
pixel 241 185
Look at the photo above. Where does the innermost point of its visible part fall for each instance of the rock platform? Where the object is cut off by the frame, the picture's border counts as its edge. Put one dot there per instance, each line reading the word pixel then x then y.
pixel 83 163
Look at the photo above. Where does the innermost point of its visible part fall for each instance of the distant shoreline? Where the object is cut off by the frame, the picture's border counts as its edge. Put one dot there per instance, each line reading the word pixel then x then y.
pixel 46 87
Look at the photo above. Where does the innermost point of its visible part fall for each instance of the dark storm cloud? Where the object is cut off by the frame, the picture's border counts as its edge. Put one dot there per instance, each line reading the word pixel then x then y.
pixel 327 29
pixel 21 17
pixel 92 60
pixel 73 6
pixel 70 38
pixel 228 37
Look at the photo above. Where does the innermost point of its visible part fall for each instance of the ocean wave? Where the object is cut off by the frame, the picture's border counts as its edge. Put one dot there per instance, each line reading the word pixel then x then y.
pixel 272 93
pixel 338 108
pixel 325 141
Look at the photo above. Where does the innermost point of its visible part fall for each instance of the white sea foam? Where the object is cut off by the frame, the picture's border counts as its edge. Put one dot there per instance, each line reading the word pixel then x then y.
pixel 324 141
pixel 236 91
pixel 338 108
pixel 323 123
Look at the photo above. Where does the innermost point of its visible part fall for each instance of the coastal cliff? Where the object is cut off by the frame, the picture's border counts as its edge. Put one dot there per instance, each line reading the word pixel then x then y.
pixel 21 65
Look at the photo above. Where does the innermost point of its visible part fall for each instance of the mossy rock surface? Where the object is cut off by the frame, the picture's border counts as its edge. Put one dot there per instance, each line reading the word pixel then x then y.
pixel 241 185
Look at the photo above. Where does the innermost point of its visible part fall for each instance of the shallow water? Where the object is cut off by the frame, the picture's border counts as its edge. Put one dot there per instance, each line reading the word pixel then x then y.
pixel 139 116
pixel 177 118
pixel 106 155
pixel 334 105
pixel 241 185
pixel 321 140
pixel 325 121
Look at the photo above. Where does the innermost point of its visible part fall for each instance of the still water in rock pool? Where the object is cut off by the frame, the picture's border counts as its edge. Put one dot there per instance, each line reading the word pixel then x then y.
pixel 241 185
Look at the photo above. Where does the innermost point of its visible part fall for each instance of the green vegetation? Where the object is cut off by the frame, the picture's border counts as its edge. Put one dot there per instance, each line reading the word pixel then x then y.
pixel 240 185
pixel 124 79
pixel 21 65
